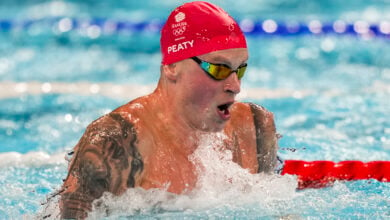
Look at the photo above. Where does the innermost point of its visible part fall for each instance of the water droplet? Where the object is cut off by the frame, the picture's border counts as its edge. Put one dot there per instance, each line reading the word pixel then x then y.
pixel 93 31
pixel 65 25
pixel 68 117
pixel 327 45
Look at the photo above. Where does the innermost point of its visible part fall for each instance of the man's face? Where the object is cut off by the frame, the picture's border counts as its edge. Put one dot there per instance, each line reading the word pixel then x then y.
pixel 206 102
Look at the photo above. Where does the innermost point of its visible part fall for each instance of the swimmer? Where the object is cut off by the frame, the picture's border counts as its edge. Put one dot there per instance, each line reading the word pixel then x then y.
pixel 147 142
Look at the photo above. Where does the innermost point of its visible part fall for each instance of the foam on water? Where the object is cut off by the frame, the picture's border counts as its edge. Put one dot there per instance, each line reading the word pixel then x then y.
pixel 225 190
pixel 222 185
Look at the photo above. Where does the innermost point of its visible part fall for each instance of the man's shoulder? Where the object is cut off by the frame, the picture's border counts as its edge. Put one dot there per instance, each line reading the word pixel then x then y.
pixel 251 108
pixel 110 125
pixel 134 106
pixel 122 115
pixel 252 115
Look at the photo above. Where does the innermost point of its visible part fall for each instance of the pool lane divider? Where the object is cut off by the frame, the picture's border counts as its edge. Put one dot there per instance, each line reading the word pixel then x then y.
pixel 318 174
pixel 95 27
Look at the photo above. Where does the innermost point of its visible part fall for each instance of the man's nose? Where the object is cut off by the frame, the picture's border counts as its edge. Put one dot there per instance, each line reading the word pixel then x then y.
pixel 232 84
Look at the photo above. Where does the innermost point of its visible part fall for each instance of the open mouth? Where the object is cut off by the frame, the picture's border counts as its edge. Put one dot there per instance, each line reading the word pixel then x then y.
pixel 223 110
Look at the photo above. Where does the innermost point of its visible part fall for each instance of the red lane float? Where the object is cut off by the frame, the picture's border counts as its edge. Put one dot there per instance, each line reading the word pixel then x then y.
pixel 317 174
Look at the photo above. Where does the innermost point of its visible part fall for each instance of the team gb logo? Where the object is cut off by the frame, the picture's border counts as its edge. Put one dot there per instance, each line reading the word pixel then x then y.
pixel 180 16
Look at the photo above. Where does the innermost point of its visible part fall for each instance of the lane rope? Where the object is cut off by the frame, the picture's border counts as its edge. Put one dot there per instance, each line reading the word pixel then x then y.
pixel 318 174
pixel 98 26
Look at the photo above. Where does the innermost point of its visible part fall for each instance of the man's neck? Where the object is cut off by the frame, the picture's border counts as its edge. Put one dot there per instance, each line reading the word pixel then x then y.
pixel 169 113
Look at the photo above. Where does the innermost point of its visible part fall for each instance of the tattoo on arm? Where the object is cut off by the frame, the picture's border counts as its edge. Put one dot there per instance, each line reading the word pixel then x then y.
pixel 266 139
pixel 107 159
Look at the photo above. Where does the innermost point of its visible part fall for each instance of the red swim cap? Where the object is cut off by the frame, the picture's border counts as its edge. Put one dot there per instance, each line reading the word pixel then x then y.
pixel 198 28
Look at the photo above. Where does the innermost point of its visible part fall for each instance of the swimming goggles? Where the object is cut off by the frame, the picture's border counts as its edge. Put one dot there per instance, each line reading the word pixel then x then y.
pixel 219 71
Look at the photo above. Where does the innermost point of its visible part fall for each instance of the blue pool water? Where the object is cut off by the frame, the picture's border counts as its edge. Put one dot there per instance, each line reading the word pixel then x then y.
pixel 329 93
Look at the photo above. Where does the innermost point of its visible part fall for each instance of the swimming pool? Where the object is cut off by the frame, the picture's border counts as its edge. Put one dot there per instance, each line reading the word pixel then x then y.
pixel 328 90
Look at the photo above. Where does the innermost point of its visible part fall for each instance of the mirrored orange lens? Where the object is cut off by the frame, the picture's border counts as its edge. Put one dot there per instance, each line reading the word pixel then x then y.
pixel 222 72
pixel 219 71
pixel 241 71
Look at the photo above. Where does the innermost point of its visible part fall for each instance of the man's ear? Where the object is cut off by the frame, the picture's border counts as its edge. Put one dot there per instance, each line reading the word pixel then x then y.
pixel 170 71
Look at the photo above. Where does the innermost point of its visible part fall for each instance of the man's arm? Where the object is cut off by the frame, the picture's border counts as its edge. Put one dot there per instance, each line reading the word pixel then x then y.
pixel 266 138
pixel 106 159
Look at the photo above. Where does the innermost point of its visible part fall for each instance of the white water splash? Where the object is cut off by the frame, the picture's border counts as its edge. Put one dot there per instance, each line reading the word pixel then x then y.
pixel 222 184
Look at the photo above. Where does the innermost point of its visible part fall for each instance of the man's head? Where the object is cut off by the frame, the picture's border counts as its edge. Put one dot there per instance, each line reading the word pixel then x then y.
pixel 198 28
pixel 204 56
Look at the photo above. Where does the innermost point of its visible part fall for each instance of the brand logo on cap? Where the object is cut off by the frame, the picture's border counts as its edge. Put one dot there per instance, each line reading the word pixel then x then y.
pixel 180 16
pixel 179 31
pixel 179 27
